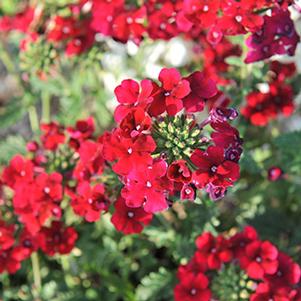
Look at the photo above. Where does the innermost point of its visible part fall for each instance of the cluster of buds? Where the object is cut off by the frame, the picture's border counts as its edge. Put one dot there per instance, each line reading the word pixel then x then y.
pixel 165 148
pixel 77 25
pixel 241 267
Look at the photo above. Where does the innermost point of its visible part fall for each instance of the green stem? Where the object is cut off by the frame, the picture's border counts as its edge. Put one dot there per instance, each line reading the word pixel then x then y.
pixel 33 118
pixel 46 107
pixel 6 60
pixel 37 280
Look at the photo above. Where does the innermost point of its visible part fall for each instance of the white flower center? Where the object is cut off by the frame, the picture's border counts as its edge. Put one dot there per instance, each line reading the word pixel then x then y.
pixel 205 8
pixel 131 214
pixel 238 18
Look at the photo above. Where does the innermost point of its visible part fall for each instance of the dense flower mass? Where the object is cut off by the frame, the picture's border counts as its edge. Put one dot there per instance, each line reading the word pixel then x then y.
pixel 262 107
pixel 265 273
pixel 84 21
pixel 161 151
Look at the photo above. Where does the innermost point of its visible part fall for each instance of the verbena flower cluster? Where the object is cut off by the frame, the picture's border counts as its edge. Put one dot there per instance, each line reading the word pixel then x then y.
pixel 262 107
pixel 239 267
pixel 165 147
pixel 74 25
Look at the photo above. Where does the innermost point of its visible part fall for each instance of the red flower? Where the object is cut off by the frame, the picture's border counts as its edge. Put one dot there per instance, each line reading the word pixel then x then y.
pixel 148 188
pixel 130 95
pixel 266 292
pixel 91 160
pixel 29 242
pixel 288 272
pixel 260 259
pixel 238 18
pixel 129 153
pixel 10 259
pixel 193 288
pixel 202 88
pixel 6 236
pixel 90 201
pixel 215 250
pixel 212 167
pixel 169 97
pixel 53 135
pixel 80 44
pixel 129 220
pixel 205 12
pixel 188 193
pixel 48 188
pixel 281 71
pixel 275 173
pixel 240 240
pixel 197 265
pixel 57 239
pixel 83 129
pixel 19 170
pixel 135 122
pixel 129 25
pixel 179 172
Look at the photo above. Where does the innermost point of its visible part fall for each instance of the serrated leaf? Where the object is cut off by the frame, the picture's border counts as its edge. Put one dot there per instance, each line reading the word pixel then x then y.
pixel 11 113
pixel 11 146
pixel 156 286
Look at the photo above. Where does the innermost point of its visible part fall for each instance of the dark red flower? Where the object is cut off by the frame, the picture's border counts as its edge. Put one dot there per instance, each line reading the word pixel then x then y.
pixel 57 239
pixel 178 171
pixel 29 242
pixel 281 71
pixel 193 288
pixel 83 129
pixel 288 272
pixel 212 167
pixel 53 135
pixel 129 220
pixel 216 250
pixel 240 240
pixel 202 89
pixel 266 292
pixel 169 97
pixel 260 259
pixel 10 259
pixel 135 122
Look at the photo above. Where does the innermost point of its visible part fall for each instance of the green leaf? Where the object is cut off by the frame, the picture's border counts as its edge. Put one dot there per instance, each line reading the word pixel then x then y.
pixel 156 286
pixel 11 113
pixel 11 146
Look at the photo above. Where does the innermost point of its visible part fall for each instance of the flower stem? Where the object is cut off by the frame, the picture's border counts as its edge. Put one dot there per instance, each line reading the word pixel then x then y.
pixel 46 107
pixel 36 274
pixel 33 118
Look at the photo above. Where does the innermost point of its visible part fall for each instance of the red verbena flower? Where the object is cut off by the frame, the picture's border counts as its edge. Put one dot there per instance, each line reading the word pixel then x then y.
pixel 129 220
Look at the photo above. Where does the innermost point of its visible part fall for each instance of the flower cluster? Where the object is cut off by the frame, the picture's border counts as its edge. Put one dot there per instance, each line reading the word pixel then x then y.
pixel 262 107
pixel 241 267
pixel 80 22
pixel 18 243
pixel 162 150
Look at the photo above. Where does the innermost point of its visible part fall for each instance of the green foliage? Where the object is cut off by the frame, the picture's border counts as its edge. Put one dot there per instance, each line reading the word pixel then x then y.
pixel 11 146
pixel 157 286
